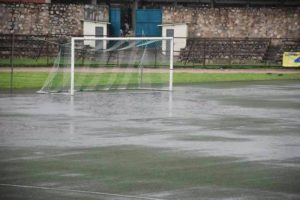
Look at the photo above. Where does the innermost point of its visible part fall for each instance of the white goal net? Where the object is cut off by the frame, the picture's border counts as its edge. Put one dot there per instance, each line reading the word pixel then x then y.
pixel 90 64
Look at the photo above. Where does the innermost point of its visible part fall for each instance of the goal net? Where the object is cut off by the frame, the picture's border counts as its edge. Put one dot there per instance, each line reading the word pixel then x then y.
pixel 90 64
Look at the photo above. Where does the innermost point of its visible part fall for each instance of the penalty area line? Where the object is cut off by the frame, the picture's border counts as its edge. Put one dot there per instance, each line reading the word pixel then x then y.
pixel 78 191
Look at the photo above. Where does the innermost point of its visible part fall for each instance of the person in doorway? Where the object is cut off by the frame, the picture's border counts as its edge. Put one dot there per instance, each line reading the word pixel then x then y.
pixel 126 28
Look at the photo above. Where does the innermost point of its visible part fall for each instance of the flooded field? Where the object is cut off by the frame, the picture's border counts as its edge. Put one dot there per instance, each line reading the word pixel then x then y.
pixel 238 140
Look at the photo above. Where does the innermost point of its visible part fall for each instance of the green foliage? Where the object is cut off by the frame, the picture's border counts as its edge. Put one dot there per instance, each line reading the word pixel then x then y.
pixel 29 62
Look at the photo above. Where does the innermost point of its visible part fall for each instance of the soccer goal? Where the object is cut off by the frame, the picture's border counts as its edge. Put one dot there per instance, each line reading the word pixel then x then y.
pixel 105 63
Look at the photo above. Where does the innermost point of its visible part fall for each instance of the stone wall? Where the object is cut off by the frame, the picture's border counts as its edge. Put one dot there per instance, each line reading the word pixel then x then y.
pixel 66 19
pixel 41 19
pixel 27 18
pixel 236 22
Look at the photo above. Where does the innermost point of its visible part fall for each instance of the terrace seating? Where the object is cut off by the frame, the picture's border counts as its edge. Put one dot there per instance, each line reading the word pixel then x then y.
pixel 290 45
pixel 278 47
pixel 198 49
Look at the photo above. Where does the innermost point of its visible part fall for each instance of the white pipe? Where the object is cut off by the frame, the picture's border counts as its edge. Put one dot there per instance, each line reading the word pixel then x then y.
pixel 121 38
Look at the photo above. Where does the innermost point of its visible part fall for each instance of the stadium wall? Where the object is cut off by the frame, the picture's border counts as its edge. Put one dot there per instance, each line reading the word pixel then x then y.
pixel 223 22
pixel 52 19
pixel 236 22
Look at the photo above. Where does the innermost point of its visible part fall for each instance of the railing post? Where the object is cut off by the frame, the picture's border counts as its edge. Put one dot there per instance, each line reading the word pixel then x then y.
pixel 230 51
pixel 47 49
pixel 11 61
pixel 72 66
pixel 204 52
pixel 171 64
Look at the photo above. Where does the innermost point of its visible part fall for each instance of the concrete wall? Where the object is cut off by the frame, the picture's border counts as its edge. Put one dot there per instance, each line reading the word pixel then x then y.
pixel 40 19
pixel 180 34
pixel 90 29
pixel 236 22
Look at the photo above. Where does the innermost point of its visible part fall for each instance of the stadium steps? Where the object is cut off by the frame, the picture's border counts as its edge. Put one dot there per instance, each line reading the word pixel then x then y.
pixel 232 50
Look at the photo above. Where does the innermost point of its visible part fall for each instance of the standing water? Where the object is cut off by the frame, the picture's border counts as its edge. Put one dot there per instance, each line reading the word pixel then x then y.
pixel 237 140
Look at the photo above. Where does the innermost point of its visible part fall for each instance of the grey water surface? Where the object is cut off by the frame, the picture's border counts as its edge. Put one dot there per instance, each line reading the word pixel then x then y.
pixel 244 135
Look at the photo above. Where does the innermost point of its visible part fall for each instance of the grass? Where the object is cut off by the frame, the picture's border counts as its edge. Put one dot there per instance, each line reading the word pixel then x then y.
pixel 35 80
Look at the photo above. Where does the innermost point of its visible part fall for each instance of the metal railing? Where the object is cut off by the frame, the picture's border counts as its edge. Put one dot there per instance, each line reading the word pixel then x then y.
pixel 40 50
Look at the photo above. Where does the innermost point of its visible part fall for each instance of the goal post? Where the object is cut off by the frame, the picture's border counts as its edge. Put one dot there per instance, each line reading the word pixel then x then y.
pixel 74 39
pixel 112 63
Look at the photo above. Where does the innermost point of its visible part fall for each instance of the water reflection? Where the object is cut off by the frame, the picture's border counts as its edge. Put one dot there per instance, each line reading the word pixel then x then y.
pixel 214 119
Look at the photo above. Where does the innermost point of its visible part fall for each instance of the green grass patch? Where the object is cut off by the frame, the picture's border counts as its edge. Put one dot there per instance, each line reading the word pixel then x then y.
pixel 35 80
pixel 22 80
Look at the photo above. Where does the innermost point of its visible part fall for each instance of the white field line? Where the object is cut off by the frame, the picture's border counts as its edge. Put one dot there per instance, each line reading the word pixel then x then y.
pixel 79 191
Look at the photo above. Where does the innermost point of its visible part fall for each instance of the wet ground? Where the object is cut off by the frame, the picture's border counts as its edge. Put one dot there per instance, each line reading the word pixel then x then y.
pixel 238 140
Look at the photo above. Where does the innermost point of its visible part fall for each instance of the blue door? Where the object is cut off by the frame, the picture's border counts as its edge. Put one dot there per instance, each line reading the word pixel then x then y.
pixel 147 21
pixel 115 22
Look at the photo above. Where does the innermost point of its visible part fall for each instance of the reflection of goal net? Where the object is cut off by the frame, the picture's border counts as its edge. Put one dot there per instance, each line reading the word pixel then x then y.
pixel 89 63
